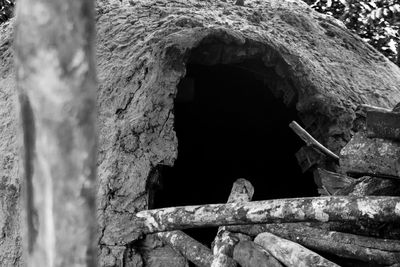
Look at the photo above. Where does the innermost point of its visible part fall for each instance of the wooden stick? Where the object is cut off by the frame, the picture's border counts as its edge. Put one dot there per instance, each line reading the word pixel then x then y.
pixel 291 253
pixel 324 209
pixel 224 242
pixel 367 249
pixel 309 140
pixel 191 249
pixel 250 254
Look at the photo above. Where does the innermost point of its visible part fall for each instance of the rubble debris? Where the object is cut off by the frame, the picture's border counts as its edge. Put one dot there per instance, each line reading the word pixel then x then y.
pixel 334 182
pixel 364 156
pixel 371 186
pixel 383 124
pixel 291 253
pixel 307 158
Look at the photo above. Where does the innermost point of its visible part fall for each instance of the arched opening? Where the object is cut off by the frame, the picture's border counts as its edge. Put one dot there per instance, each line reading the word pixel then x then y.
pixel 229 125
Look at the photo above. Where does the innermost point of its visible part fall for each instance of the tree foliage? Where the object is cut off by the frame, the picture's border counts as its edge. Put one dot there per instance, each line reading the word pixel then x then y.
pixel 6 9
pixel 375 21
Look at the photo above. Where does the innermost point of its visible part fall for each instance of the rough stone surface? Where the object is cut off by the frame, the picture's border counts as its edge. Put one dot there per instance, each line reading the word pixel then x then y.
pixel 370 156
pixel 310 61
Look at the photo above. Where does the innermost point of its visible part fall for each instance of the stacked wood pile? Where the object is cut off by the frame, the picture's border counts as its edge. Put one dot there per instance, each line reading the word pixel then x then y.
pixel 354 223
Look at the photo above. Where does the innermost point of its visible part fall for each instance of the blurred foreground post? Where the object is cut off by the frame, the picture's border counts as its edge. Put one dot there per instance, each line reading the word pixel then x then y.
pixel 54 43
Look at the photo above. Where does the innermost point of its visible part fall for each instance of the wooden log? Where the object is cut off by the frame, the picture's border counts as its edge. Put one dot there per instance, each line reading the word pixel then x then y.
pixel 291 253
pixel 324 209
pixel 310 141
pixel 250 254
pixel 191 249
pixel 224 242
pixel 364 228
pixel 367 249
pixel 54 44
pixel 383 124
pixel 370 157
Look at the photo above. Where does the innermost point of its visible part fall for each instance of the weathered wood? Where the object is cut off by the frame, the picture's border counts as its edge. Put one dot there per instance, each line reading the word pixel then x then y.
pixel 191 249
pixel 307 158
pixel 250 254
pixel 309 140
pixel 224 242
pixel 364 228
pixel 370 157
pixel 334 181
pixel 367 249
pixel 383 124
pixel 324 209
pixel 290 253
pixel 57 92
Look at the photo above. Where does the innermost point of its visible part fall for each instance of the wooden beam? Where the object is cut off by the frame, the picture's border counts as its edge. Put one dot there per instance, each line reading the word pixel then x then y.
pixel 224 242
pixel 324 209
pixel 56 82
pixel 310 141
pixel 291 253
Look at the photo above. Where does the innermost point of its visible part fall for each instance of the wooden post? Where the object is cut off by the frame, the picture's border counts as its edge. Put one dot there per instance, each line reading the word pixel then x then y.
pixel 57 92
pixel 224 242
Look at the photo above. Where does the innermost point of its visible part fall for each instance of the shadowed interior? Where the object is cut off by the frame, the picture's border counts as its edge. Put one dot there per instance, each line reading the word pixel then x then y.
pixel 229 125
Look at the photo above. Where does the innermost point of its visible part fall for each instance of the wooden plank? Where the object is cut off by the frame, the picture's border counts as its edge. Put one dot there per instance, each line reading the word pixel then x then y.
pixel 383 124
pixel 364 156
pixel 54 44
pixel 324 209
pixel 291 253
